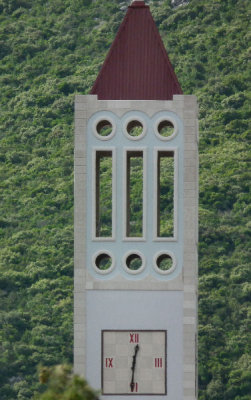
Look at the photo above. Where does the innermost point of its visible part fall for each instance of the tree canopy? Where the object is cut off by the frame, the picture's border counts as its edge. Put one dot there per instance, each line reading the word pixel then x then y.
pixel 51 50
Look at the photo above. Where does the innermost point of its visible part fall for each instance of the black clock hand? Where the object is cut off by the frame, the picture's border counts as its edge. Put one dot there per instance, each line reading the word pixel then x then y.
pixel 133 366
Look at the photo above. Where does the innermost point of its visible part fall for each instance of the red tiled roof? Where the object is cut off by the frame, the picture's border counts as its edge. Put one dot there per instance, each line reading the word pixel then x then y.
pixel 137 66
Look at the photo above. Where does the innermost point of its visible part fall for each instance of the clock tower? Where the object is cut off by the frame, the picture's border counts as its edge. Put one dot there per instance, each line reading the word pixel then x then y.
pixel 136 223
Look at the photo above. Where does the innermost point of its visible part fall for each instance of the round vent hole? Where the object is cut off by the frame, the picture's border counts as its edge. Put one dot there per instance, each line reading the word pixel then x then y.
pixel 166 128
pixel 103 261
pixel 104 128
pixel 134 262
pixel 164 262
pixel 134 128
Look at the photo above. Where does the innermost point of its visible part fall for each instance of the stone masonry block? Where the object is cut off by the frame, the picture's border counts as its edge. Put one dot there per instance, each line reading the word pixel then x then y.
pixel 123 104
pixel 190 131
pixel 189 320
pixel 80 161
pixel 79 130
pixel 188 358
pixel 190 162
pixel 189 297
pixel 79 153
pixel 191 280
pixel 80 181
pixel 190 383
pixel 79 218
pixel 190 240
pixel 80 107
pixel 179 97
pixel 190 113
pixel 79 328
pixel 190 174
pixel 190 257
pixel 188 272
pixel 80 297
pixel 189 304
pixel 191 154
pixel 189 368
pixel 189 340
pixel 190 201
pixel 78 287
pixel 78 273
pixel 187 328
pixel 140 105
pixel 190 185
pixel 79 142
pixel 189 138
pixel 92 101
pixel 79 228
pixel 78 315
pixel 168 105
pixel 78 341
pixel 80 282
pixel 79 215
pixel 80 122
pixel 189 193
pixel 79 204
pixel 80 98
pixel 190 122
pixel 80 231
pixel 189 214
pixel 178 105
pixel 79 169
pixel 189 392
pixel 78 335
pixel 189 289
pixel 190 99
pixel 79 353
pixel 79 248
pixel 80 114
pixel 102 105
pixel 78 261
pixel 191 146
pixel 190 312
pixel 189 376
pixel 190 249
pixel 191 264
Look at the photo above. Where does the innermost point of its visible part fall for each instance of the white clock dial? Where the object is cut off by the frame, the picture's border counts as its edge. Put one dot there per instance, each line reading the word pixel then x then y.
pixel 134 362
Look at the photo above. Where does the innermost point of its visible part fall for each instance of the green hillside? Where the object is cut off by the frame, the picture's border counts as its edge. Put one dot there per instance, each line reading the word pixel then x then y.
pixel 51 50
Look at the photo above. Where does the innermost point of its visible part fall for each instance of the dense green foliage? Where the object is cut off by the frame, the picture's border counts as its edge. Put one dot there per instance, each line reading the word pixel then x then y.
pixel 51 50
pixel 63 385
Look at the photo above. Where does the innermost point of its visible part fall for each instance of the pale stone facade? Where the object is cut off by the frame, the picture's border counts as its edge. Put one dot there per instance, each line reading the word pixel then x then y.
pixel 183 282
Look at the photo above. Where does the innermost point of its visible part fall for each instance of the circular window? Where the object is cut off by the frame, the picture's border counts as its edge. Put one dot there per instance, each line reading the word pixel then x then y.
pixel 135 129
pixel 166 128
pixel 104 128
pixel 164 263
pixel 103 262
pixel 134 262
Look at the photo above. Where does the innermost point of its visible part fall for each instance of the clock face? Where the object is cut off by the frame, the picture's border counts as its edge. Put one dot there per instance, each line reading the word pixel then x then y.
pixel 134 362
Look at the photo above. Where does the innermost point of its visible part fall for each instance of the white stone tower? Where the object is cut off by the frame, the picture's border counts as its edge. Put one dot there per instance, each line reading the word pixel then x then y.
pixel 136 224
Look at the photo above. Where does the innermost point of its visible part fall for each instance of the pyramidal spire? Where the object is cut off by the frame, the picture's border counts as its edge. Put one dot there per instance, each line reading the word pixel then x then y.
pixel 137 66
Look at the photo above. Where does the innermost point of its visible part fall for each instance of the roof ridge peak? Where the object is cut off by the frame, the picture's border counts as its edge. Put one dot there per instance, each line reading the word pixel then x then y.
pixel 138 3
